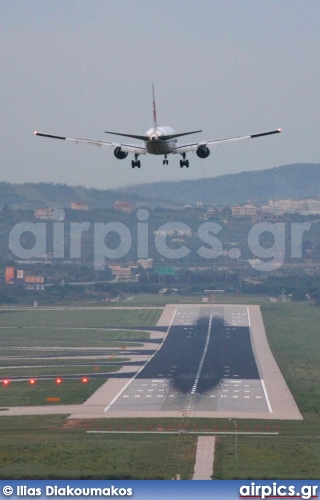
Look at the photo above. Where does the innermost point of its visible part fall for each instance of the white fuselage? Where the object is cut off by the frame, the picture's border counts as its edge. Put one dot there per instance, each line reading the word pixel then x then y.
pixel 157 143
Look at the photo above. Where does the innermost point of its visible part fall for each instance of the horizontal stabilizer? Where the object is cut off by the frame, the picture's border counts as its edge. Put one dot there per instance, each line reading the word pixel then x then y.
pixel 172 136
pixel 146 138
pixel 139 137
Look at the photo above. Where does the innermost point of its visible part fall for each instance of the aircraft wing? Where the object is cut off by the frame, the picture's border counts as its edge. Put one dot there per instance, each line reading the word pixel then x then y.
pixel 193 146
pixel 133 148
pixel 127 148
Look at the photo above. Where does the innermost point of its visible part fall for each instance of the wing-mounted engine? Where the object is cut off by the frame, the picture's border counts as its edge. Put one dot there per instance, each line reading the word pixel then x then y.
pixel 121 155
pixel 203 151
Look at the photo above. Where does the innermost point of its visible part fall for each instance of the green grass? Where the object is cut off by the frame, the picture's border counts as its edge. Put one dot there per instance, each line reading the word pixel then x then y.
pixel 64 337
pixel 70 391
pixel 293 332
pixel 52 361
pixel 56 370
pixel 294 337
pixel 66 334
pixel 48 447
pixel 87 318
pixel 266 458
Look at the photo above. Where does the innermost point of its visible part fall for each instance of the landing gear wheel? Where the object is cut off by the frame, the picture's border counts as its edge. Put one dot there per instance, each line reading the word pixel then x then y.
pixel 136 164
pixel 184 162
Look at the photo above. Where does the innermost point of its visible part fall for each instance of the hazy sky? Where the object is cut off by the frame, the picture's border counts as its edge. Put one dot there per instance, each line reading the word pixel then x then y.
pixel 231 67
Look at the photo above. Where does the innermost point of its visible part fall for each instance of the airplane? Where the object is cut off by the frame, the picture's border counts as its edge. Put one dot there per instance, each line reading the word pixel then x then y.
pixel 159 141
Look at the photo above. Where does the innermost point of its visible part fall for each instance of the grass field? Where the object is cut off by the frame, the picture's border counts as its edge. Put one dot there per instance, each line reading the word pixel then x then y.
pixel 36 343
pixel 42 447
pixel 70 391
pixel 94 359
pixel 77 318
pixel 294 337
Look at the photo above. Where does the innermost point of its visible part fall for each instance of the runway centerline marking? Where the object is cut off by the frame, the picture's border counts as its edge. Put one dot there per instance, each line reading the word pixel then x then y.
pixel 195 385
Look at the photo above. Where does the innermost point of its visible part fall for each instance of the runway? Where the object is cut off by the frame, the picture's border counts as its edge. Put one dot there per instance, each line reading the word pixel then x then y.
pixel 205 364
pixel 209 361
pixel 215 362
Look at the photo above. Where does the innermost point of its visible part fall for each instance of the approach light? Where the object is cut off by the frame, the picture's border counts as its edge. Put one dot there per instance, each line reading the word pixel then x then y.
pixel 32 381
pixel 85 380
pixel 58 380
pixel 6 381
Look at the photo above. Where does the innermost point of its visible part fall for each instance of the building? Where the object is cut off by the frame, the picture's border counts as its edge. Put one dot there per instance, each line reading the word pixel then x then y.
pixel 123 206
pixel 44 213
pixel 146 263
pixel 172 232
pixel 244 211
pixel 121 273
pixel 9 275
pixel 304 207
pixel 34 282
pixel 77 205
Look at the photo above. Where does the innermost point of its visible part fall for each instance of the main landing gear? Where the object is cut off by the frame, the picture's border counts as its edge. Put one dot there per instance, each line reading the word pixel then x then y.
pixel 136 162
pixel 165 161
pixel 184 162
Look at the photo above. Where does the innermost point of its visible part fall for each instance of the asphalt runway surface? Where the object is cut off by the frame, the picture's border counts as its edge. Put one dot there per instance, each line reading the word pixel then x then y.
pixel 206 363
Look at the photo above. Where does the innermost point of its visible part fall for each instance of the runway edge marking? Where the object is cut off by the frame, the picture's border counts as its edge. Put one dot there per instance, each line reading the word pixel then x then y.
pixel 261 379
pixel 266 396
pixel 142 367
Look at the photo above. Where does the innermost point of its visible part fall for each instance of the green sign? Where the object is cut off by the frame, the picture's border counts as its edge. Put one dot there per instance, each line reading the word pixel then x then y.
pixel 167 270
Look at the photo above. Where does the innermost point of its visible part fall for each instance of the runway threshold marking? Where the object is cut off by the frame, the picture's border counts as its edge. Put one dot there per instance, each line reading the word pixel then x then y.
pixel 142 367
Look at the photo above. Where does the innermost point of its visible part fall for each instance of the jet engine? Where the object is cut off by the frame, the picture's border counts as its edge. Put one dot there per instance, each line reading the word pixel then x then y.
pixel 121 155
pixel 203 151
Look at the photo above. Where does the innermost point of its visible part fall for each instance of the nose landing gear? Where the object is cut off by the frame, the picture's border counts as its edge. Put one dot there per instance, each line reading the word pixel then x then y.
pixel 165 161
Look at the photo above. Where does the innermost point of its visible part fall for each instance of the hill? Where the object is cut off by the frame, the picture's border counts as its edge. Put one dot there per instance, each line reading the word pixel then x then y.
pixel 289 181
pixel 33 196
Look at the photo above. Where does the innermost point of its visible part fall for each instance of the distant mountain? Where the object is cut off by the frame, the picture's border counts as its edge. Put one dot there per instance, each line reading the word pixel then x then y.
pixel 290 181
pixel 33 196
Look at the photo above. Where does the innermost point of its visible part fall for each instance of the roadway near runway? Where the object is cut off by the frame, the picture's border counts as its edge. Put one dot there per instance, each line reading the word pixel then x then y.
pixel 214 361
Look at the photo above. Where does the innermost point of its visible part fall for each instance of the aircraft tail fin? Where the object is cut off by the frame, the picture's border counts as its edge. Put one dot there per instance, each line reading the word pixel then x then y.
pixel 154 110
